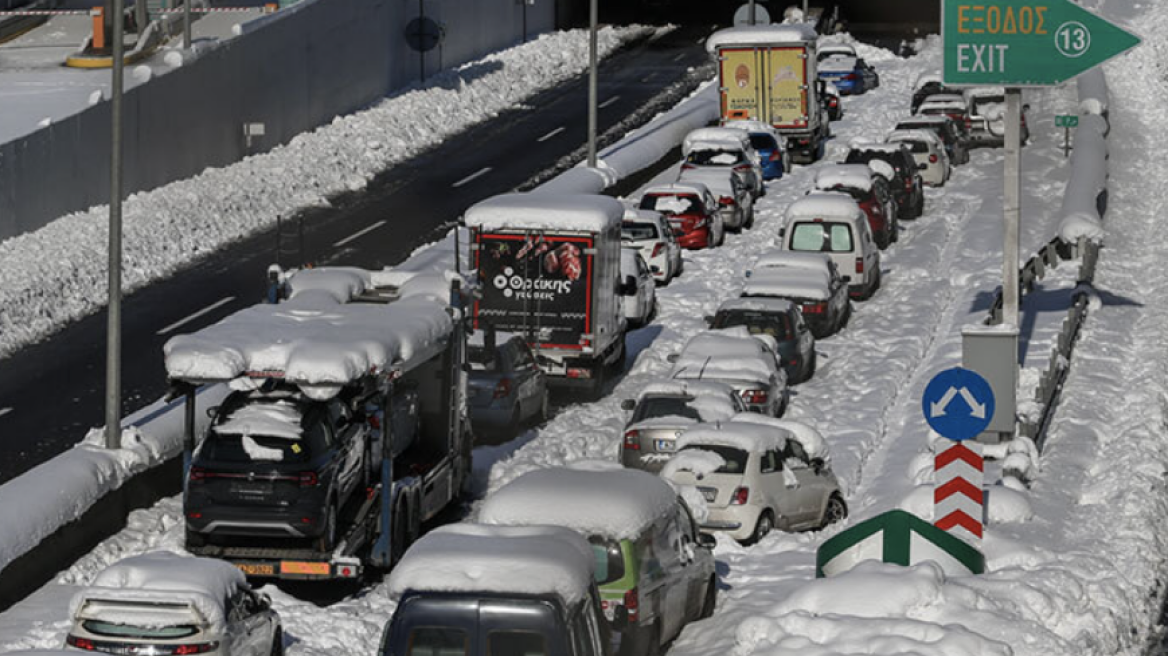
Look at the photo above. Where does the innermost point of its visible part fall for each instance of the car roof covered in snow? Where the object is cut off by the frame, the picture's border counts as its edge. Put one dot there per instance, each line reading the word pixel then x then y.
pixel 857 176
pixel 694 388
pixel 831 48
pixel 791 259
pixel 927 136
pixel 932 119
pixel 731 354
pixel 316 339
pixel 751 126
pixel 715 139
pixel 541 561
pixel 711 399
pixel 803 433
pixel 717 179
pixel 761 35
pixel 617 504
pixel 750 437
pixel 788 283
pixel 140 588
pixel 756 304
pixel 696 188
pixel 943 105
pixel 837 62
pixel 572 212
pixel 983 91
pixel 825 206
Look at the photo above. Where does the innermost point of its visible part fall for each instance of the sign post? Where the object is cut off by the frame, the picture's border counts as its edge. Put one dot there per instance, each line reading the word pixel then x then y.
pixel 1066 121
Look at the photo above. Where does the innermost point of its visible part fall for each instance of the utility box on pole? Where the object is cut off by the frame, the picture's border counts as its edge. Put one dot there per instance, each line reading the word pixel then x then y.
pixel 992 352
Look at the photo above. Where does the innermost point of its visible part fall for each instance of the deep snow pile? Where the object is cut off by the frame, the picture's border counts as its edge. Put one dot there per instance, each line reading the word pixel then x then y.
pixel 58 274
pixel 1077 577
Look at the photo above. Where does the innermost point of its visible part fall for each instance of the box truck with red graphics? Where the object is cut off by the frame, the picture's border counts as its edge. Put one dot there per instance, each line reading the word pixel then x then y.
pixel 549 269
pixel 768 73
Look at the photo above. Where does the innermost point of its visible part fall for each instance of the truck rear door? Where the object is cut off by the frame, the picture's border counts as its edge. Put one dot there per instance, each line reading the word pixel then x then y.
pixel 787 87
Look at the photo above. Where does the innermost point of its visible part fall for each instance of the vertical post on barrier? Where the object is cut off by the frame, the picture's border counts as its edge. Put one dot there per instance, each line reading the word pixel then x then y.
pixel 98 14
pixel 592 91
pixel 113 365
pixel 958 497
pixel 1012 201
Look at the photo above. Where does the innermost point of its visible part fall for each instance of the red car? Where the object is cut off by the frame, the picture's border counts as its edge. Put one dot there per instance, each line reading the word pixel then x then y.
pixel 691 210
pixel 871 193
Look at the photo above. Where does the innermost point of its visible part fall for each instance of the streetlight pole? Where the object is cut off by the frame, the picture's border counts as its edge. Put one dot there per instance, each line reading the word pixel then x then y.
pixel 1012 204
pixel 113 370
pixel 750 20
pixel 592 99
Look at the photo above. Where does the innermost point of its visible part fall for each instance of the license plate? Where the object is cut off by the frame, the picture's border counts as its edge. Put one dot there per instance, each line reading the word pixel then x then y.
pixel 250 489
pixel 665 445
pixel 298 567
pixel 257 569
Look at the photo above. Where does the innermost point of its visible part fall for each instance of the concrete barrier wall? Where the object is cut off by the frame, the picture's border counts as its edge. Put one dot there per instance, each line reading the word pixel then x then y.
pixel 292 71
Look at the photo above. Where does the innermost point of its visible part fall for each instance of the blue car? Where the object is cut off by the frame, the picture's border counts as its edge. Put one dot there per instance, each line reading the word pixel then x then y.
pixel 764 140
pixel 505 388
pixel 844 72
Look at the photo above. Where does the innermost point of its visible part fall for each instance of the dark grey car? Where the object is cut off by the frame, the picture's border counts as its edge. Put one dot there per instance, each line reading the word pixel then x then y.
pixel 505 388
pixel 782 320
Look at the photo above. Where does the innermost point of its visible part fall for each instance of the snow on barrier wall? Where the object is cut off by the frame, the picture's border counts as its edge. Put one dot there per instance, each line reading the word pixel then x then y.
pixel 298 69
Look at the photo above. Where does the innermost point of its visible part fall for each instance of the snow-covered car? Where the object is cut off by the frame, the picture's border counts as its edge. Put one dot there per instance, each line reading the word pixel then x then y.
pixel 905 182
pixel 947 130
pixel 470 589
pixel 650 233
pixel 986 116
pixel 769 145
pixel 822 294
pixel 166 604
pixel 505 386
pixel 639 296
pixel 654 569
pixel 735 202
pixel 827 50
pixel 757 474
pixel 778 318
pixel 949 105
pixel 663 409
pixel 929 153
pixel 832 102
pixel 835 225
pixel 748 363
pixel 692 212
pixel 725 148
pixel 929 84
pixel 870 191
pixel 277 464
pixel 844 72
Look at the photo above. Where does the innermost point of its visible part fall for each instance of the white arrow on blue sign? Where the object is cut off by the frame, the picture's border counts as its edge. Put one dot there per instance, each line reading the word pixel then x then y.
pixel 958 404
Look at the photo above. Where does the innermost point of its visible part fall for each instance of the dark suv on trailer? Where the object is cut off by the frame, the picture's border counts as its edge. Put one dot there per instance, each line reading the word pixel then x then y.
pixel 275 464
pixel 907 187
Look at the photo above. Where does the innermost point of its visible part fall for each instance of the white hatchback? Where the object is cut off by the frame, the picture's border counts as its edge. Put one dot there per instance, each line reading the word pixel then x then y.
pixel 651 235
pixel 928 152
pixel 639 289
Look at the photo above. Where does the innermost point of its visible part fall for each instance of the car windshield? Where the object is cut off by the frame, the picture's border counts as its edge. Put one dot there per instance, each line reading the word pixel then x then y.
pixel 482 358
pixel 917 146
pixel 714 157
pixel 512 642
pixel 735 459
pixel 867 157
pixel 672 204
pixel 653 407
pixel 610 560
pixel 638 231
pixel 438 641
pixel 763 142
pixel 822 237
pixel 254 446
pixel 112 630
pixel 758 322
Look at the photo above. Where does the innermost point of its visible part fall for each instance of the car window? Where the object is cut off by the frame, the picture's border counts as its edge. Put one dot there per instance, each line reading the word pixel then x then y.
pixel 715 157
pixel 638 231
pixel 642 268
pixel 685 521
pixel 794 454
pixel 651 407
pixel 610 559
pixel 758 322
pixel 735 459
pixel 515 643
pixel 760 141
pixel 482 358
pixel 822 236
pixel 917 146
pixel 769 463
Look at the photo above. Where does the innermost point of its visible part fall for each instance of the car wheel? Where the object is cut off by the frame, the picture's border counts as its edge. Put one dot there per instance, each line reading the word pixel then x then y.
pixel 875 284
pixel 919 207
pixel 749 223
pixel 711 600
pixel 765 524
pixel 895 230
pixel 836 511
pixel 328 537
pixel 277 642
pixel 545 412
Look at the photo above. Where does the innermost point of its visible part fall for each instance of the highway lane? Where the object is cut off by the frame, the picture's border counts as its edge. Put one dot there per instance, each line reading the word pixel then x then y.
pixel 52 393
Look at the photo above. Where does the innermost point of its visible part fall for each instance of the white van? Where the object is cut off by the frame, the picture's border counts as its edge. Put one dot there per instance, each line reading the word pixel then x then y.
pixel 834 224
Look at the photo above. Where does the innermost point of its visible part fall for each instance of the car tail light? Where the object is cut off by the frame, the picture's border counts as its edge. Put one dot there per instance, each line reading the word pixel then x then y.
pixel 578 372
pixel 740 496
pixel 725 200
pixel 657 249
pixel 197 475
pixel 774 157
pixel 742 167
pixel 80 643
pixel 196 648
pixel 632 604
pixel 347 572
pixel 754 396
pixel 502 389
pixel 687 166
pixel 374 422
pixel 631 440
pixel 803 142
pixel 932 159
pixel 833 102
pixel 859 265
pixel 908 184
pixel 792 362
pixel 308 479
pixel 814 308
pixel 968 123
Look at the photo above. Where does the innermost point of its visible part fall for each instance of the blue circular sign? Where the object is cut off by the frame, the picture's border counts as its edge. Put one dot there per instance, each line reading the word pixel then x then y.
pixel 958 404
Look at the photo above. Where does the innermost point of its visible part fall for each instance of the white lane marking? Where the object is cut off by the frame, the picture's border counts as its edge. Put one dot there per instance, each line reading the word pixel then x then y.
pixel 648 77
pixel 360 233
pixel 4 411
pixel 679 56
pixel 210 308
pixel 481 172
pixel 701 39
pixel 551 134
pixel 608 102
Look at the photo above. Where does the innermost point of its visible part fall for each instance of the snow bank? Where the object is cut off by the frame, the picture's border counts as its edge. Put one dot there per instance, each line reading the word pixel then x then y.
pixel 1080 208
pixel 536 560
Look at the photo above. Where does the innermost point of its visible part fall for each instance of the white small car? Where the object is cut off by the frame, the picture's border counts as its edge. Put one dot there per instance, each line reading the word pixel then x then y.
pixel 757 474
pixel 834 224
pixel 726 148
pixel 640 290
pixel 166 604
pixel 652 236
pixel 928 152
pixel 748 363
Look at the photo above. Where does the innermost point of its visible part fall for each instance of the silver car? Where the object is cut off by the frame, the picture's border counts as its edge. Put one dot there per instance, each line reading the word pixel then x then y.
pixel 748 363
pixel 164 604
pixel 757 474
pixel 663 410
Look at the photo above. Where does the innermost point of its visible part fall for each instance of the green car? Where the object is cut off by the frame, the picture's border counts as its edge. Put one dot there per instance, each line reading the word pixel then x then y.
pixel 654 569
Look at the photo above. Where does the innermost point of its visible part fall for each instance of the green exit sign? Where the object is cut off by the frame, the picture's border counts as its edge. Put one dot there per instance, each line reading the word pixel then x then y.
pixel 1066 121
pixel 1024 43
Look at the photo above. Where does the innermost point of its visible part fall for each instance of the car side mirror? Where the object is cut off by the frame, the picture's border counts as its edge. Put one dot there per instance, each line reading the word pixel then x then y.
pixel 212 412
pixel 628 405
pixel 707 541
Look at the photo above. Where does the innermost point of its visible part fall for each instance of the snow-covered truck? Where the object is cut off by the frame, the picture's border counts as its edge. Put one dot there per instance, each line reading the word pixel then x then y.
pixel 768 73
pixel 346 427
pixel 549 269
